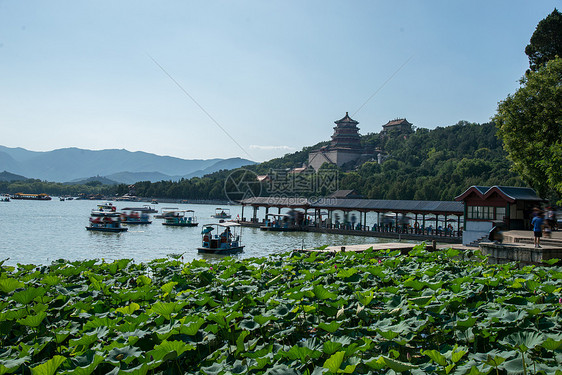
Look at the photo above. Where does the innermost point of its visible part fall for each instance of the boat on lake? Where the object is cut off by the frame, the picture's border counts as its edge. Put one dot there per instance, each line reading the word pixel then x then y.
pixel 106 207
pixel 222 213
pixel 135 215
pixel 105 221
pixel 149 209
pixel 5 198
pixel 280 223
pixel 32 197
pixel 226 242
pixel 181 218
pixel 166 211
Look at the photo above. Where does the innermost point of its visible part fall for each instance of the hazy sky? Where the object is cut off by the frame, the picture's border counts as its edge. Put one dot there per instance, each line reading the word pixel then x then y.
pixel 274 75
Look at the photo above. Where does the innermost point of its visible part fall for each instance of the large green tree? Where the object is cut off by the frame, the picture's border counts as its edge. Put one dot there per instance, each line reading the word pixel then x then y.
pixel 546 42
pixel 530 124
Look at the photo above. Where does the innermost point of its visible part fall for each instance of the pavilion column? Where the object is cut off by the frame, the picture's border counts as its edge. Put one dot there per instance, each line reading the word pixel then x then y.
pixel 423 223
pixel 436 222
pixel 242 213
pixel 458 225
pixel 255 218
pixel 416 222
pixel 279 210
pixel 396 222
pixel 446 226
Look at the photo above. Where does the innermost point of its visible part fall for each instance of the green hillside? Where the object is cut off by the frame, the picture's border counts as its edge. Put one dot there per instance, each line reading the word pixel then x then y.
pixel 436 164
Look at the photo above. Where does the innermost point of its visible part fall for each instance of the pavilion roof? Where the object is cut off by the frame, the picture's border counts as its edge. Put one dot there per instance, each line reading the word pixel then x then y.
pixel 509 193
pixel 376 205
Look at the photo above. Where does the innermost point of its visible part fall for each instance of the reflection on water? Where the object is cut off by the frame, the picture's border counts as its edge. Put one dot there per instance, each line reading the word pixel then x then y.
pixel 39 232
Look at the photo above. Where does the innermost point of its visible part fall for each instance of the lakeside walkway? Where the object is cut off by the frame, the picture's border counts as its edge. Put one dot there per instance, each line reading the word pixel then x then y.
pixel 452 237
pixel 517 246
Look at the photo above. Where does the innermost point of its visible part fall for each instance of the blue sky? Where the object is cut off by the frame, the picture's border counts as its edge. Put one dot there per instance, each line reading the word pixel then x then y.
pixel 274 75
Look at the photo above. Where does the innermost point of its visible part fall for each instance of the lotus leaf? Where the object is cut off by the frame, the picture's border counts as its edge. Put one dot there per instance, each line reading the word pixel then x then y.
pixel 436 357
pixel 129 309
pixel 331 327
pixel 397 365
pixel 49 367
pixel 524 341
pixel 9 285
pixel 322 293
pixel 334 362
pixel 125 354
pixel 26 296
pixel 33 320
pixel 166 309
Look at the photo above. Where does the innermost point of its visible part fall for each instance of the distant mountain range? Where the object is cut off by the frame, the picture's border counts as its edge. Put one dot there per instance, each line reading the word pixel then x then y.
pixel 122 166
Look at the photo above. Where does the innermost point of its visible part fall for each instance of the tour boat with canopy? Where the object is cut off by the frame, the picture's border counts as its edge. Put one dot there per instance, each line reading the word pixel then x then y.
pixel 135 215
pixel 181 218
pixel 105 221
pixel 225 239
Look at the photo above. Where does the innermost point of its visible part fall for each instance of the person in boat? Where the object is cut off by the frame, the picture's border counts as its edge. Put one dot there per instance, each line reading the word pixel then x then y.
pixel 226 236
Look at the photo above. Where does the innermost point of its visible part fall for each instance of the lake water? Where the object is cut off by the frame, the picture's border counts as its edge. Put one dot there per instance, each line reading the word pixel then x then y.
pixel 38 232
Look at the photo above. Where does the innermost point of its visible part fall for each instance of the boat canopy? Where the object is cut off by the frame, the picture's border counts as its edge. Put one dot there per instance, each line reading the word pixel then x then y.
pixel 225 224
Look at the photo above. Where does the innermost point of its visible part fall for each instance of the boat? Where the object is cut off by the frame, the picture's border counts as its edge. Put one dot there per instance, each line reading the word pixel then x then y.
pixel 106 207
pixel 149 209
pixel 135 215
pixel 222 213
pixel 33 197
pixel 226 242
pixel 105 221
pixel 5 198
pixel 166 211
pixel 154 201
pixel 280 223
pixel 181 218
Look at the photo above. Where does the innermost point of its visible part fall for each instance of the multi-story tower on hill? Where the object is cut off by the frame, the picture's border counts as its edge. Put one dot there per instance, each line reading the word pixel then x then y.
pixel 344 148
pixel 346 134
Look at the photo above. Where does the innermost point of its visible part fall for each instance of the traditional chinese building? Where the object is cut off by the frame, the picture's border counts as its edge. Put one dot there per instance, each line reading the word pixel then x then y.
pixel 344 148
pixel 397 126
pixel 484 207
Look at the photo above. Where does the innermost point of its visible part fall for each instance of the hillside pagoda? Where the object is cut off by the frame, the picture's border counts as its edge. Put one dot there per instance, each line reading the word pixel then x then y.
pixel 344 149
pixel 346 134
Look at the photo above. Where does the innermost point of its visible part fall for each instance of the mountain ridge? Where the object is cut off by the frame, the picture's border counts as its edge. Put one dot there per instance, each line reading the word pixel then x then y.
pixel 68 164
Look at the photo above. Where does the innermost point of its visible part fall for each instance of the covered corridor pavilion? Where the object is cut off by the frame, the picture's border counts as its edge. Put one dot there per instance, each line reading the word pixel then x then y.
pixel 442 211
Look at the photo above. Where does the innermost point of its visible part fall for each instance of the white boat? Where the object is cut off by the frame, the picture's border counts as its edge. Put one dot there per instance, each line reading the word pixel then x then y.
pixel 165 212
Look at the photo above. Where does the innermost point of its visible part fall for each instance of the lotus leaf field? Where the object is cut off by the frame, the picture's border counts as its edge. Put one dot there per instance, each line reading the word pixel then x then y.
pixel 376 312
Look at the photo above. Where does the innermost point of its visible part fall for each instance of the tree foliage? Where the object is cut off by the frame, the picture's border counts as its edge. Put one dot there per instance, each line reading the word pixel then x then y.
pixel 436 164
pixel 530 125
pixel 546 42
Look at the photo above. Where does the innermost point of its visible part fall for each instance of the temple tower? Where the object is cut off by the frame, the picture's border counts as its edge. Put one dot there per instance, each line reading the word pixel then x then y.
pixel 346 134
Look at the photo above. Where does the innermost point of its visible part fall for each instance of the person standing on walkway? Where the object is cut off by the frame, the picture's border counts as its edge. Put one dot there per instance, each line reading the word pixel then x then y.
pixel 537 224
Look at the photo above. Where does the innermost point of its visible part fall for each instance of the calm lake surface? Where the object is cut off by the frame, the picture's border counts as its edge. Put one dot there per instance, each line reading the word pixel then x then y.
pixel 38 232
